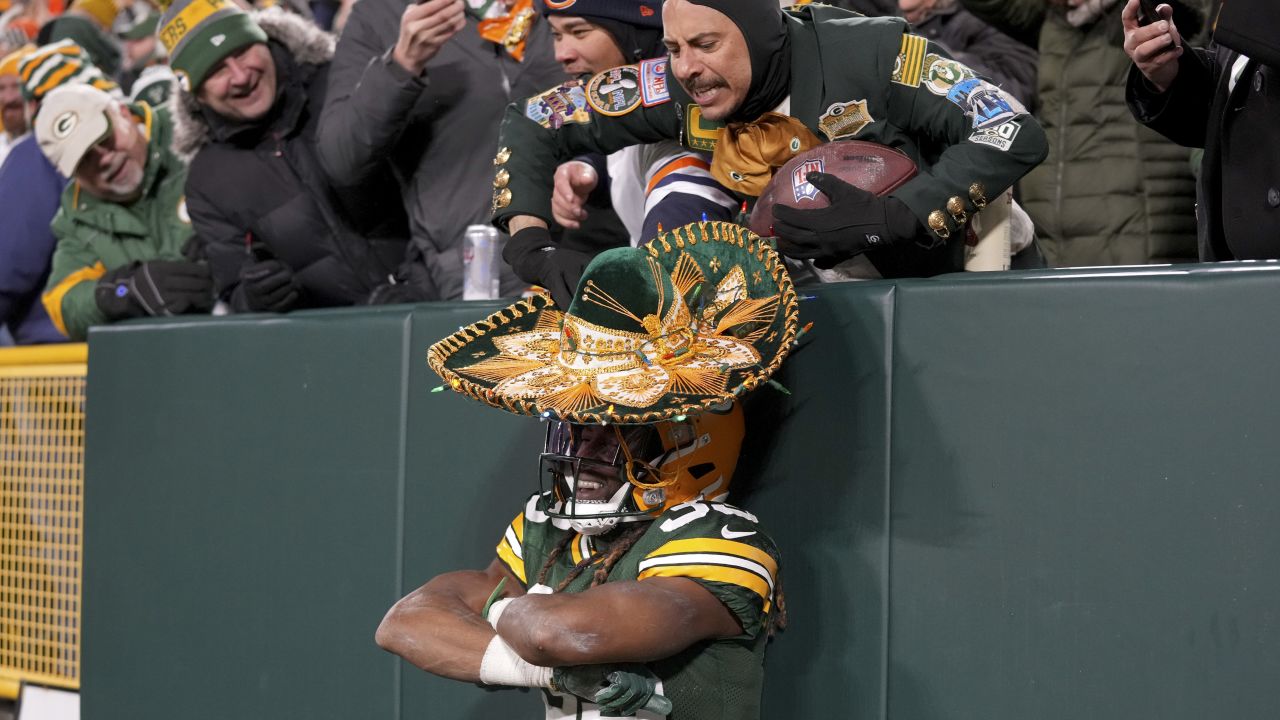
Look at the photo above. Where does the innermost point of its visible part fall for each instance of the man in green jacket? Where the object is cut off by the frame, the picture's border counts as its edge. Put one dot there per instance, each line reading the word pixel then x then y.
pixel 755 86
pixel 123 220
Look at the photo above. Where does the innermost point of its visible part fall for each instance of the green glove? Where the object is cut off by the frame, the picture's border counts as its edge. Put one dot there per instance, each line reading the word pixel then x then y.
pixel 493 597
pixel 619 690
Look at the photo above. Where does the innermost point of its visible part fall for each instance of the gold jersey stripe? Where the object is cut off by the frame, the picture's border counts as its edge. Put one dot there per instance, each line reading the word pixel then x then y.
pixel 715 545
pixel 715 573
pixel 580 548
pixel 512 561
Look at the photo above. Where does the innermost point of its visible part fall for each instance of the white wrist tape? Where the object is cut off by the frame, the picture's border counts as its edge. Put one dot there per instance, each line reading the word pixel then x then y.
pixel 502 666
pixel 496 610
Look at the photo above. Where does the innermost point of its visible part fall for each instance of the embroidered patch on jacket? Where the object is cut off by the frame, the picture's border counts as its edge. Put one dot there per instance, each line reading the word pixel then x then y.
pixel 653 82
pixel 615 92
pixel 985 103
pixel 558 106
pixel 909 65
pixel 800 185
pixel 844 120
pixel 999 137
pixel 701 134
pixel 940 73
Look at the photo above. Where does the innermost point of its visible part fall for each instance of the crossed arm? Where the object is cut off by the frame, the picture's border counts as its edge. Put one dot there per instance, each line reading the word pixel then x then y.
pixel 438 627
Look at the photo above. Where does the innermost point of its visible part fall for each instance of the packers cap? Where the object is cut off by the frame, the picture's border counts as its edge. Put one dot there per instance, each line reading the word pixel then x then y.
pixel 71 120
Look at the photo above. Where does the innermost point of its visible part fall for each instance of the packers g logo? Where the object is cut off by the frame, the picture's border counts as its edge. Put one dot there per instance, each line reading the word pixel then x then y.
pixel 65 124
pixel 183 215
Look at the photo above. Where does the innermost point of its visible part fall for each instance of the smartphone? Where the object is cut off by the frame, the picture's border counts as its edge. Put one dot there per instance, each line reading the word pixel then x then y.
pixel 1148 13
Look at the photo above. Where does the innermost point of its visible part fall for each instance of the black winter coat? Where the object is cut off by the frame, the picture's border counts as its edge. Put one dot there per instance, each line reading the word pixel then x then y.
pixel 1010 63
pixel 437 133
pixel 257 191
pixel 1238 194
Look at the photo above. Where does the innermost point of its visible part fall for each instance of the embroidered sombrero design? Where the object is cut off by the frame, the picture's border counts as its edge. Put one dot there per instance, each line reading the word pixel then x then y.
pixel 702 314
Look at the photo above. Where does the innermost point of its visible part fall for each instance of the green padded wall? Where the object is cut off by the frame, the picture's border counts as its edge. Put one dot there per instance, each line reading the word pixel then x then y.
pixel 1032 495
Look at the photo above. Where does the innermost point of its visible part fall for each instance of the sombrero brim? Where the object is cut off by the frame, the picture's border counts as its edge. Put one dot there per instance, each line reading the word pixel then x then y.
pixel 532 359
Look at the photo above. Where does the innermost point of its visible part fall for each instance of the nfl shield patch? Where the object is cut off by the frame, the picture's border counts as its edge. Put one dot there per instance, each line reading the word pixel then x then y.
pixel 800 185
pixel 653 82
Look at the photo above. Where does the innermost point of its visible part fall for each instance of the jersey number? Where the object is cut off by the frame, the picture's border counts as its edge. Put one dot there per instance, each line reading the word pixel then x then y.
pixel 697 509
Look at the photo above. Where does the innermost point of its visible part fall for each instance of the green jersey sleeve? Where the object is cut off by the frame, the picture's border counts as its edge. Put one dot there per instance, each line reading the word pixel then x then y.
pixel 723 549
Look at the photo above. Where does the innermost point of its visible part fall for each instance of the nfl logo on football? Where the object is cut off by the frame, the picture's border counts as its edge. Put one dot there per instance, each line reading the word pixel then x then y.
pixel 804 190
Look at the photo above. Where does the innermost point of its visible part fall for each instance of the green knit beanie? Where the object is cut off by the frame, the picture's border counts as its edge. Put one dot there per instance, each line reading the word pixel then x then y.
pixel 198 34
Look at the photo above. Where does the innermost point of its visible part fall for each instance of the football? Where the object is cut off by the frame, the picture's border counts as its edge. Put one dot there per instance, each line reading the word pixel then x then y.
pixel 875 168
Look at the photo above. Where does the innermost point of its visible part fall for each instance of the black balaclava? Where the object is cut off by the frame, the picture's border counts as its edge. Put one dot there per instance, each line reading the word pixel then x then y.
pixel 762 24
pixel 637 43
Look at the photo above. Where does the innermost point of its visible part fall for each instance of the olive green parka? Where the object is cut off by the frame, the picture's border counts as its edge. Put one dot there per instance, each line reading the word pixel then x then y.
pixel 1112 192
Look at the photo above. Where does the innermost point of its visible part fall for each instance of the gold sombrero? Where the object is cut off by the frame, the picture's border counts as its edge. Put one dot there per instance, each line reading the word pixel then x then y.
pixel 703 314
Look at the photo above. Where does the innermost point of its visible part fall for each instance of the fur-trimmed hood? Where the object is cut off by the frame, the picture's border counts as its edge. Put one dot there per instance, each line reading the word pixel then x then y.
pixel 308 44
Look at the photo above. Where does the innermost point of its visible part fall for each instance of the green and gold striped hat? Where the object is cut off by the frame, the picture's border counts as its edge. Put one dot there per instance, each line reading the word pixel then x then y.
pixel 57 64
pixel 198 34
pixel 703 314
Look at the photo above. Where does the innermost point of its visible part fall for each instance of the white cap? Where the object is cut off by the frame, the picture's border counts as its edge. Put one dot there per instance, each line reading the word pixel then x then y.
pixel 72 119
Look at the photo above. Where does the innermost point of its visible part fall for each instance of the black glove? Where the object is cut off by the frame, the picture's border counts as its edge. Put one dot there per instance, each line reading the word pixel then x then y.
pixel 535 259
pixel 412 283
pixel 266 286
pixel 155 287
pixel 619 690
pixel 855 222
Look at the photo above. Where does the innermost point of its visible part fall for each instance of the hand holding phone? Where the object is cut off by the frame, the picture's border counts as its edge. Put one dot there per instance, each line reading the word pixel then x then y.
pixel 1148 14
pixel 1152 42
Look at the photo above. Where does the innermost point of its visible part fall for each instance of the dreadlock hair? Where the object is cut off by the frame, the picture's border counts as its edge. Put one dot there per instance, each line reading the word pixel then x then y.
pixel 627 536
pixel 778 619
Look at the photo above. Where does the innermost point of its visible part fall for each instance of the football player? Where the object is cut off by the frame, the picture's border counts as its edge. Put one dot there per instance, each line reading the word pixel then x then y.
pixel 626 586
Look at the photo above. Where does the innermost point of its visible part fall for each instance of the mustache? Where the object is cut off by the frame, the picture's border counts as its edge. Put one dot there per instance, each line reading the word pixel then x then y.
pixel 698 86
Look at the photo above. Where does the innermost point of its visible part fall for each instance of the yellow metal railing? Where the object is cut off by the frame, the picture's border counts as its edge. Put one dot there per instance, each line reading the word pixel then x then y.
pixel 41 501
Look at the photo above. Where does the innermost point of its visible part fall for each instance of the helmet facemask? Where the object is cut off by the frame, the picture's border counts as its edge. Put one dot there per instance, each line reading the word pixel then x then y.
pixel 634 473
pixel 593 470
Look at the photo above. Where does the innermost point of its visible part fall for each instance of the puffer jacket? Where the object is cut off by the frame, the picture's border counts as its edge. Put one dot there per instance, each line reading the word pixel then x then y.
pixel 1112 192
pixel 437 132
pixel 256 190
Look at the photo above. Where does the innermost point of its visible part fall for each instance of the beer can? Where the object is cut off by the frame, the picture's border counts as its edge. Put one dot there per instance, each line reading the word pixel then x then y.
pixel 481 263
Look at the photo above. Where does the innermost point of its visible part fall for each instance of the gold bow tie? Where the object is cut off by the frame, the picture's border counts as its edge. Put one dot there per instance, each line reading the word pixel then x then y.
pixel 511 30
pixel 749 153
